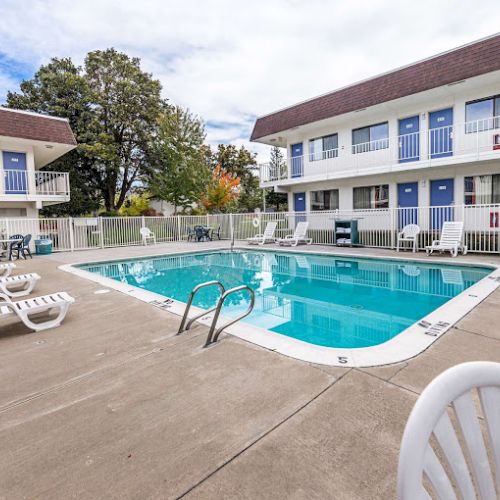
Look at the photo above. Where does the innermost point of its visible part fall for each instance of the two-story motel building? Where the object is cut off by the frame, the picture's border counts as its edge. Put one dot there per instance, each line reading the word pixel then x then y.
pixel 28 142
pixel 427 134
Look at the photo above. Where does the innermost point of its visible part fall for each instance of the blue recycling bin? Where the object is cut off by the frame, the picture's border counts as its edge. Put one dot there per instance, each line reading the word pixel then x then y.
pixel 43 246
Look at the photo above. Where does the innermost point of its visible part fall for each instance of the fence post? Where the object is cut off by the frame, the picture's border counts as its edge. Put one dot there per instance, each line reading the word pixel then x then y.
pixel 101 232
pixel 143 221
pixel 393 227
pixel 231 227
pixel 179 236
pixel 71 235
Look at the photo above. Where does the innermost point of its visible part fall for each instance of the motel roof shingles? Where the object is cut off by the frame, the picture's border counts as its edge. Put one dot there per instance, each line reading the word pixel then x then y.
pixel 464 62
pixel 25 125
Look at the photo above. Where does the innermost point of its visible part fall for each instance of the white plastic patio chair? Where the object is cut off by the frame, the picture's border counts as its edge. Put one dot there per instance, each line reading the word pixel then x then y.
pixel 27 308
pixel 6 269
pixel 147 235
pixel 410 270
pixel 19 285
pixel 266 237
pixel 449 472
pixel 409 234
pixel 451 239
pixel 299 236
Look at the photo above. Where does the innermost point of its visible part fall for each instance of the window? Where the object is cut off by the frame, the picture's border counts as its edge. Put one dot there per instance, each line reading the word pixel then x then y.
pixel 13 212
pixel 325 200
pixel 323 147
pixel 482 114
pixel 370 138
pixel 371 197
pixel 482 189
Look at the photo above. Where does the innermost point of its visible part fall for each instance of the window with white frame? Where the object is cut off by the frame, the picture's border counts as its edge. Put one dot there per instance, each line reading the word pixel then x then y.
pixel 325 147
pixel 367 197
pixel 325 200
pixel 482 189
pixel 371 138
pixel 482 114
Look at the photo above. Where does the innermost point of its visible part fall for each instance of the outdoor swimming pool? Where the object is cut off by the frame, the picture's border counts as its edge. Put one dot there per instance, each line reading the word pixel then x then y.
pixel 329 301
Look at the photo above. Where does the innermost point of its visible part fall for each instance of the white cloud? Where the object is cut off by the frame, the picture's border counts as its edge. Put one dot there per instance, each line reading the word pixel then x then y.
pixel 230 60
pixel 7 83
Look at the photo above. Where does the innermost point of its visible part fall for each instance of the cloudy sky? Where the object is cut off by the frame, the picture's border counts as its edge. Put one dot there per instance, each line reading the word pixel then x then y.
pixel 232 60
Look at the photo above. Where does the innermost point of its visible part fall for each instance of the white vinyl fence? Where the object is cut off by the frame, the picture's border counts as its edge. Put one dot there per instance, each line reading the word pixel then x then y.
pixel 377 227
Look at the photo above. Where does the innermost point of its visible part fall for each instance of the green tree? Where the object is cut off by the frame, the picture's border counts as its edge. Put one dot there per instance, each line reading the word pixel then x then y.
pixel 126 104
pixel 180 171
pixel 134 205
pixel 112 106
pixel 277 170
pixel 241 163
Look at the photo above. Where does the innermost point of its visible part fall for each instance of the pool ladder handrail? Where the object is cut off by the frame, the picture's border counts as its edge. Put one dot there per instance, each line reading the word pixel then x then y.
pixel 212 337
pixel 183 326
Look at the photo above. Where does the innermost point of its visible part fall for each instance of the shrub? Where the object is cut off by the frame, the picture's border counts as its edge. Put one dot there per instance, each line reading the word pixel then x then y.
pixel 150 212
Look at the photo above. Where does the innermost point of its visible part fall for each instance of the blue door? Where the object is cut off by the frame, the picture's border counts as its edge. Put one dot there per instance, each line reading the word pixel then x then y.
pixel 442 198
pixel 297 160
pixel 441 133
pixel 299 205
pixel 14 166
pixel 408 203
pixel 409 139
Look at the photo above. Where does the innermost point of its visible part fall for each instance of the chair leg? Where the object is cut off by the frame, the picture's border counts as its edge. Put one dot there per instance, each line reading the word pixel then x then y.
pixel 63 309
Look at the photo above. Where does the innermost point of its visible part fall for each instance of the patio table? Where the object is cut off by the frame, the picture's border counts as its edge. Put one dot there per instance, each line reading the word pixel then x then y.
pixel 207 233
pixel 4 242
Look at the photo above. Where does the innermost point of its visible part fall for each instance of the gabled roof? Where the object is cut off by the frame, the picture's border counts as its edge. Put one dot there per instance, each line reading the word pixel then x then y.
pixel 34 126
pixel 464 62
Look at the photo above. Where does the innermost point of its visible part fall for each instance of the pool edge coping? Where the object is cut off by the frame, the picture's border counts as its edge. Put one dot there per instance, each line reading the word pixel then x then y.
pixel 406 345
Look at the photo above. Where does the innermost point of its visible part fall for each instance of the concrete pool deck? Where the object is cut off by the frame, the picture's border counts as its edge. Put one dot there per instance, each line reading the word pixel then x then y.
pixel 113 404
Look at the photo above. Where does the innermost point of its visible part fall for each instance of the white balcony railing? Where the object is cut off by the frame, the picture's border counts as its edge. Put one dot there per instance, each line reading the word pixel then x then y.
pixel 470 141
pixel 41 183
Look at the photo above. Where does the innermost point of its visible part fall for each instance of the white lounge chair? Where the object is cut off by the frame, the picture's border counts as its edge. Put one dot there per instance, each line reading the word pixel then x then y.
pixel 452 277
pixel 299 236
pixel 409 234
pixel 451 239
pixel 6 269
pixel 462 467
pixel 147 235
pixel 266 237
pixel 27 308
pixel 19 285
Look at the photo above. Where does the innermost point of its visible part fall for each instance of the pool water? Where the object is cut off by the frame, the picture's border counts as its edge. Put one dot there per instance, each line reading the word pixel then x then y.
pixel 324 300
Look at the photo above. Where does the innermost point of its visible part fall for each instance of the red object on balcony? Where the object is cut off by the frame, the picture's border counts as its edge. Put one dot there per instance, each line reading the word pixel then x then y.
pixel 494 219
pixel 496 141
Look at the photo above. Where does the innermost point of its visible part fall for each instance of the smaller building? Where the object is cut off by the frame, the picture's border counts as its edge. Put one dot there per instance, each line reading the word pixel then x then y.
pixel 28 142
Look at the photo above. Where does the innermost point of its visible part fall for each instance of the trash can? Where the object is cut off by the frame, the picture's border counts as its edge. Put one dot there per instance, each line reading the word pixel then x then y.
pixel 43 246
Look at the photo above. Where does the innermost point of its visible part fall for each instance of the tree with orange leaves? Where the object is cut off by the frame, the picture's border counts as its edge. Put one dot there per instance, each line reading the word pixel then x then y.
pixel 223 188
